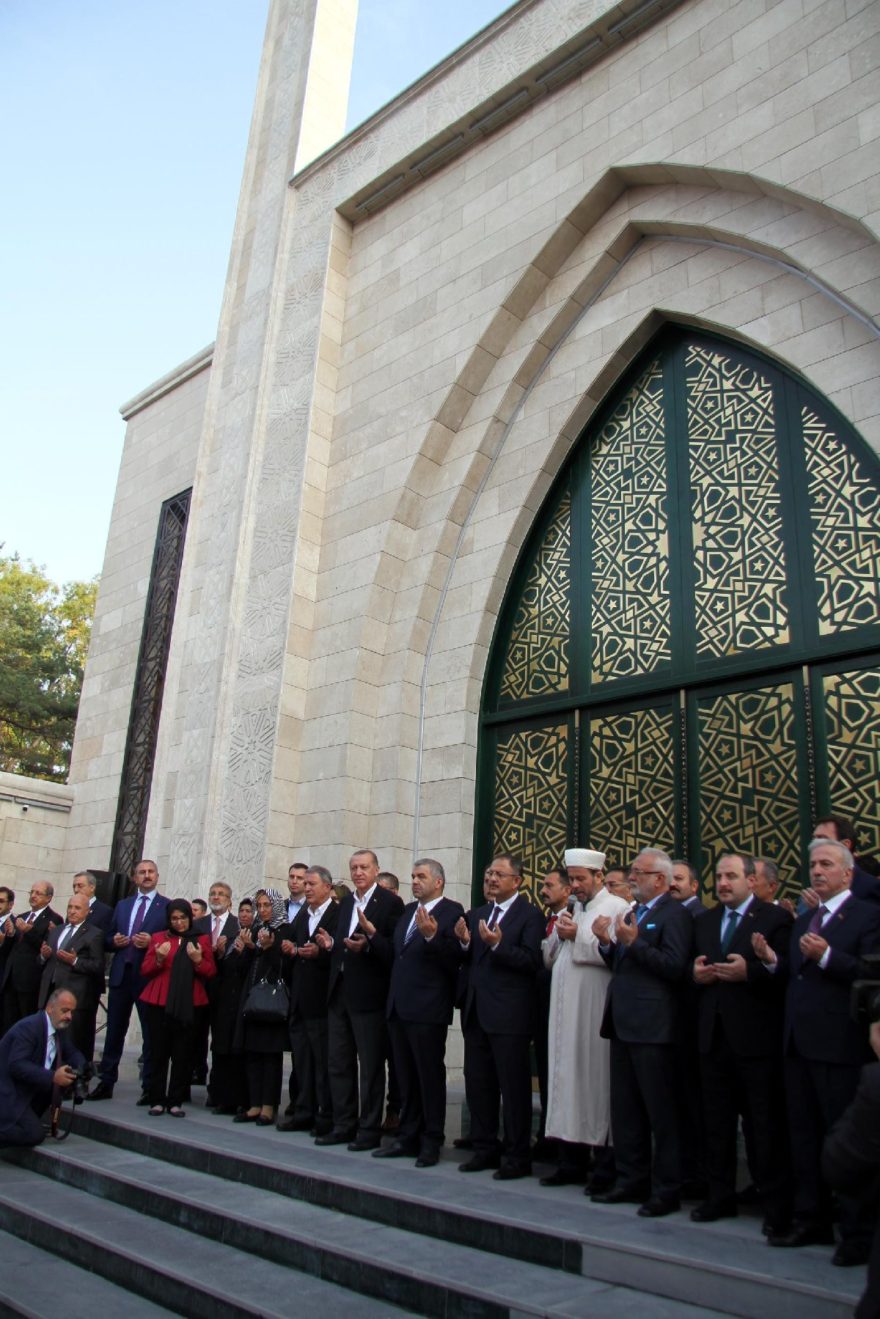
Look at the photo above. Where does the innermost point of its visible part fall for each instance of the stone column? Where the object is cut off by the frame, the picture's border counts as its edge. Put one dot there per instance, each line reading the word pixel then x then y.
pixel 241 545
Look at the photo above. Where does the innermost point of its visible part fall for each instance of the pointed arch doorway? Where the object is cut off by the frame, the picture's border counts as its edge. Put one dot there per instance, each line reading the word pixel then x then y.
pixel 688 654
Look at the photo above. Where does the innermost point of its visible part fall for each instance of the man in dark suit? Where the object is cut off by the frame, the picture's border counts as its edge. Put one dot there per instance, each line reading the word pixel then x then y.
pixel 73 958
pixel 7 930
pixel 555 894
pixel 421 999
pixel 134 921
pixel 824 1048
pixel 306 968
pixel 643 1021
pixel 100 914
pixel 684 887
pixel 225 1089
pixel 360 968
pixel 740 1006
pixel 23 966
pixel 851 1163
pixel 865 883
pixel 502 948
pixel 35 1055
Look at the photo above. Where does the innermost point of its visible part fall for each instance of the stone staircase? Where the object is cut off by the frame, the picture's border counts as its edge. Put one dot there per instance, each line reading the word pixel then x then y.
pixel 201 1217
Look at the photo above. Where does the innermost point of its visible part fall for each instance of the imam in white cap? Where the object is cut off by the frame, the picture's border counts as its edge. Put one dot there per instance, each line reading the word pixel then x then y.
pixel 582 856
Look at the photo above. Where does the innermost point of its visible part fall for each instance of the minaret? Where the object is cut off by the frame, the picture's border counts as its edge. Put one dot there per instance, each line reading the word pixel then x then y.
pixel 241 543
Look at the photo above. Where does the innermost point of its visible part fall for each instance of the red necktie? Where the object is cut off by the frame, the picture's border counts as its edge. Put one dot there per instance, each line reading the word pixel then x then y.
pixel 551 921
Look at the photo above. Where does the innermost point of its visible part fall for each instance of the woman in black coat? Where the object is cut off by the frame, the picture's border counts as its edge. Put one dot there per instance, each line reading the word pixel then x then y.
pixel 262 1042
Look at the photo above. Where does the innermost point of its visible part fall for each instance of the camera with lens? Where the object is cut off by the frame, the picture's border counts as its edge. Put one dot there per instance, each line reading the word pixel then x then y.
pixel 82 1077
pixel 864 1004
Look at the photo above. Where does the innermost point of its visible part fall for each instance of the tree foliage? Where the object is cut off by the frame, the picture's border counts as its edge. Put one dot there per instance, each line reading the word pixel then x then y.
pixel 44 639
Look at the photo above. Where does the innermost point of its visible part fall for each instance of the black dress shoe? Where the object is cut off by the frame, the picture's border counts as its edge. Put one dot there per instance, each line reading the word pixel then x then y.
pixel 711 1210
pixel 101 1091
pixel 263 1121
pixel 561 1177
pixel 850 1253
pixel 512 1172
pixel 334 1138
pixel 480 1163
pixel 428 1158
pixel 619 1195
pixel 659 1207
pixel 362 1143
pixel 803 1234
pixel 294 1124
pixel 396 1150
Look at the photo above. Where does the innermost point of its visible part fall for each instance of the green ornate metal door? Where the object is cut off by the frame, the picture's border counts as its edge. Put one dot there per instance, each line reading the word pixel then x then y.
pixel 687 654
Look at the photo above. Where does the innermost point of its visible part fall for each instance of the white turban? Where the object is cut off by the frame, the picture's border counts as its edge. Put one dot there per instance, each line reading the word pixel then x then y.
pixel 582 856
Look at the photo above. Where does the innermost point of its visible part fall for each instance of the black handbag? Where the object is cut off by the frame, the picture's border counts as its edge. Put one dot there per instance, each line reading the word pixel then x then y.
pixel 267 1002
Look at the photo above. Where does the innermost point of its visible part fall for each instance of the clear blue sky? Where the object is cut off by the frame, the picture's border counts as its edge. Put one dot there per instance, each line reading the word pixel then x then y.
pixel 123 134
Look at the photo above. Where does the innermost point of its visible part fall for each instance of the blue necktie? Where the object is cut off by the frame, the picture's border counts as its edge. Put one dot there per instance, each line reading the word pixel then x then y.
pixel 730 930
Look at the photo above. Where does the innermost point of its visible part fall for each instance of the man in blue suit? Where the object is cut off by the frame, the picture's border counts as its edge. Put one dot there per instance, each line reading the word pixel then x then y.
pixel 501 944
pixel 35 1055
pixel 421 999
pixel 134 921
pixel 824 1048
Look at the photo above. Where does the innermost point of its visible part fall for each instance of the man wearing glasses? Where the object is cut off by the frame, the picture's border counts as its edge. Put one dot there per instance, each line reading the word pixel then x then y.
pixel 502 946
pixel 642 1020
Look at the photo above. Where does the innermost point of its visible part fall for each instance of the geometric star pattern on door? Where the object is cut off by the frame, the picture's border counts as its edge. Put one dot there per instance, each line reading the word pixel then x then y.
pixel 537 656
pixel 632 782
pixel 531 799
pixel 852 716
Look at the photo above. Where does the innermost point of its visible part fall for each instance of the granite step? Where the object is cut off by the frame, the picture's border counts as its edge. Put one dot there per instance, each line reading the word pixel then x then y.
pixel 394 1264
pixel 726 1266
pixel 35 1282
pixel 154 1261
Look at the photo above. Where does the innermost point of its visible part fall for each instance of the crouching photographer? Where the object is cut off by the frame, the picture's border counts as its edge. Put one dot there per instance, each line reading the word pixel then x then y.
pixel 36 1057
pixel 851 1157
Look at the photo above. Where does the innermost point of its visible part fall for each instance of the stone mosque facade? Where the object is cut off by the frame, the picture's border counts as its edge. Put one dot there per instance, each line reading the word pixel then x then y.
pixel 529 494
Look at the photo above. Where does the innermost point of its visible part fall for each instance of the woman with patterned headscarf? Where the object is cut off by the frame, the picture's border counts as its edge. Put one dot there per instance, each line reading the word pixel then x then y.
pixel 262 1042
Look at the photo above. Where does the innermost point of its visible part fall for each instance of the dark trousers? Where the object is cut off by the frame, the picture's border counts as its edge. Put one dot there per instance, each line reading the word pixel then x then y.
pixel 18 1004
pixel 643 1094
pixel 264 1072
pixel 733 1085
pixel 120 1001
pixel 28 1128
pixel 356 1064
pixel 308 1044
pixel 420 1057
pixel 817 1095
pixel 497 1069
pixel 201 1031
pixel 541 1044
pixel 227 1082
pixel 171 1042
pixel 395 1099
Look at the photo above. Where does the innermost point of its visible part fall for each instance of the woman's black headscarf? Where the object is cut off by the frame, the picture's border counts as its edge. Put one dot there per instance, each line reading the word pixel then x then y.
pixel 179 1004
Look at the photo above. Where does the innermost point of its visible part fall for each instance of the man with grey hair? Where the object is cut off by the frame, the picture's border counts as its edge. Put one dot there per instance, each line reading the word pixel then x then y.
pixel 23 968
pixel 85 883
pixel 824 1048
pixel 421 998
pixel 642 1020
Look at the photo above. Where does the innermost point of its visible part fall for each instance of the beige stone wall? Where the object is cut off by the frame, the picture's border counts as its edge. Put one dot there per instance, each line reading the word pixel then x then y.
pixel 158 461
pixel 33 822
pixel 718 169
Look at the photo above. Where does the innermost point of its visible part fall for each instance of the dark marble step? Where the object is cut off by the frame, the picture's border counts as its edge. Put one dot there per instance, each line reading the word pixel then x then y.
pixel 155 1261
pixel 35 1282
pixel 724 1266
pixel 393 1264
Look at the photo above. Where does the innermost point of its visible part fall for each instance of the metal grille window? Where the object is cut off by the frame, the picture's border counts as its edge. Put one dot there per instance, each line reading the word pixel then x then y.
pixel 149 684
pixel 687 655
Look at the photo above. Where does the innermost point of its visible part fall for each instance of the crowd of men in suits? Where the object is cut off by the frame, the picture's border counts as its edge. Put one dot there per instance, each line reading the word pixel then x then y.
pixel 659 1024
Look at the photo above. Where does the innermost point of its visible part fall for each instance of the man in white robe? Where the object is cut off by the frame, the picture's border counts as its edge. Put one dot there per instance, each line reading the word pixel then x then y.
pixel 579 1068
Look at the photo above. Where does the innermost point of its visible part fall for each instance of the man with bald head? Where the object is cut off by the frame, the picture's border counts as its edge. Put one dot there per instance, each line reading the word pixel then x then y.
pixel 73 958
pixel 643 1020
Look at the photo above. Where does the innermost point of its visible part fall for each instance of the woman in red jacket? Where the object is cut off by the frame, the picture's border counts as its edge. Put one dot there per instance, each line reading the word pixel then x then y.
pixel 176 964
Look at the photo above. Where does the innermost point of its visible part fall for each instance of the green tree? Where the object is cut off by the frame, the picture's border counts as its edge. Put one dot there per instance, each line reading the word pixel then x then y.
pixel 44 639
